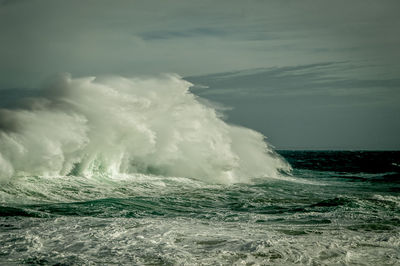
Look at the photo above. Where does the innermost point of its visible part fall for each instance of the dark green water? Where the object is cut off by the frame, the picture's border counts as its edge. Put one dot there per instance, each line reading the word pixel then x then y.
pixel 337 208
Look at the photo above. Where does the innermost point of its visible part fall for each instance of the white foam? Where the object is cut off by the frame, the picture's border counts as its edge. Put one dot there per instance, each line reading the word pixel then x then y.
pixel 121 125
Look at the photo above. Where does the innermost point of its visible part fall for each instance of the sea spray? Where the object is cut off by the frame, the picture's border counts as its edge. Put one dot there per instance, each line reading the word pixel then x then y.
pixel 116 125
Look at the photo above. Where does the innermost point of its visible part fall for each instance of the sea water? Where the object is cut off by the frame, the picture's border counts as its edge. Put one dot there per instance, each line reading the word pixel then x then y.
pixel 139 172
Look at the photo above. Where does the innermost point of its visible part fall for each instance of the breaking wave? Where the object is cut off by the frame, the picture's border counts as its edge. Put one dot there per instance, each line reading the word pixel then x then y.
pixel 114 125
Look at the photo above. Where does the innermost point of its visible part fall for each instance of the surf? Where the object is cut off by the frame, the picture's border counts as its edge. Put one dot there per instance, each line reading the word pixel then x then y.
pixel 115 125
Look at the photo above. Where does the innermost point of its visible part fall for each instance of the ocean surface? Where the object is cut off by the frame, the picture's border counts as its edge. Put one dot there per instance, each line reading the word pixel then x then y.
pixel 336 208
pixel 140 171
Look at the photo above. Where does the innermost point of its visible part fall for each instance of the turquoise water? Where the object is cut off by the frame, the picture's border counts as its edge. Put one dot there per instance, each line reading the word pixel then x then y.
pixel 319 215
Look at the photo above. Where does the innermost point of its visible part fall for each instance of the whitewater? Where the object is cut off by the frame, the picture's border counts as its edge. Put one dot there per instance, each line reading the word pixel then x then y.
pixel 117 126
pixel 141 171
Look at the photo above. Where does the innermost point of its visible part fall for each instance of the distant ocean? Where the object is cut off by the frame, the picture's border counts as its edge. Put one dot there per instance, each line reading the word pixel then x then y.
pixel 110 172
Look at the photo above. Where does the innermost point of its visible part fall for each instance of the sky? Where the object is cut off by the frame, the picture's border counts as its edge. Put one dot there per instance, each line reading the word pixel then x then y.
pixel 311 74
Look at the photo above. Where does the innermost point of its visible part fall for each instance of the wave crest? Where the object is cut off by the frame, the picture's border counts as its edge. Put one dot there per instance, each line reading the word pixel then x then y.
pixel 119 125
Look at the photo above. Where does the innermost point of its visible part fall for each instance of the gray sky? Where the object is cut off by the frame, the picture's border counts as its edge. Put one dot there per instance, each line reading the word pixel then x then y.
pixel 307 74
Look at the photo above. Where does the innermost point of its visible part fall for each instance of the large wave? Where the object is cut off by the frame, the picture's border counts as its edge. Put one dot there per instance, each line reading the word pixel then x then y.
pixel 116 125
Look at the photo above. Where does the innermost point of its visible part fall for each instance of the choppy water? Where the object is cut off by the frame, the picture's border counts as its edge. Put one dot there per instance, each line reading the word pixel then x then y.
pixel 336 208
pixel 140 171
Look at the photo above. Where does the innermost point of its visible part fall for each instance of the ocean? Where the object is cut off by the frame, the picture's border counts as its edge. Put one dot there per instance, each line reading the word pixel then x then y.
pixel 109 172
pixel 337 208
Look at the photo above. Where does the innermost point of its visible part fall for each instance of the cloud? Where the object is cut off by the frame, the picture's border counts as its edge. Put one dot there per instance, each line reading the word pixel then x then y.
pixel 189 37
pixel 188 33
pixel 11 2
pixel 332 105
pixel 311 54
pixel 329 78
